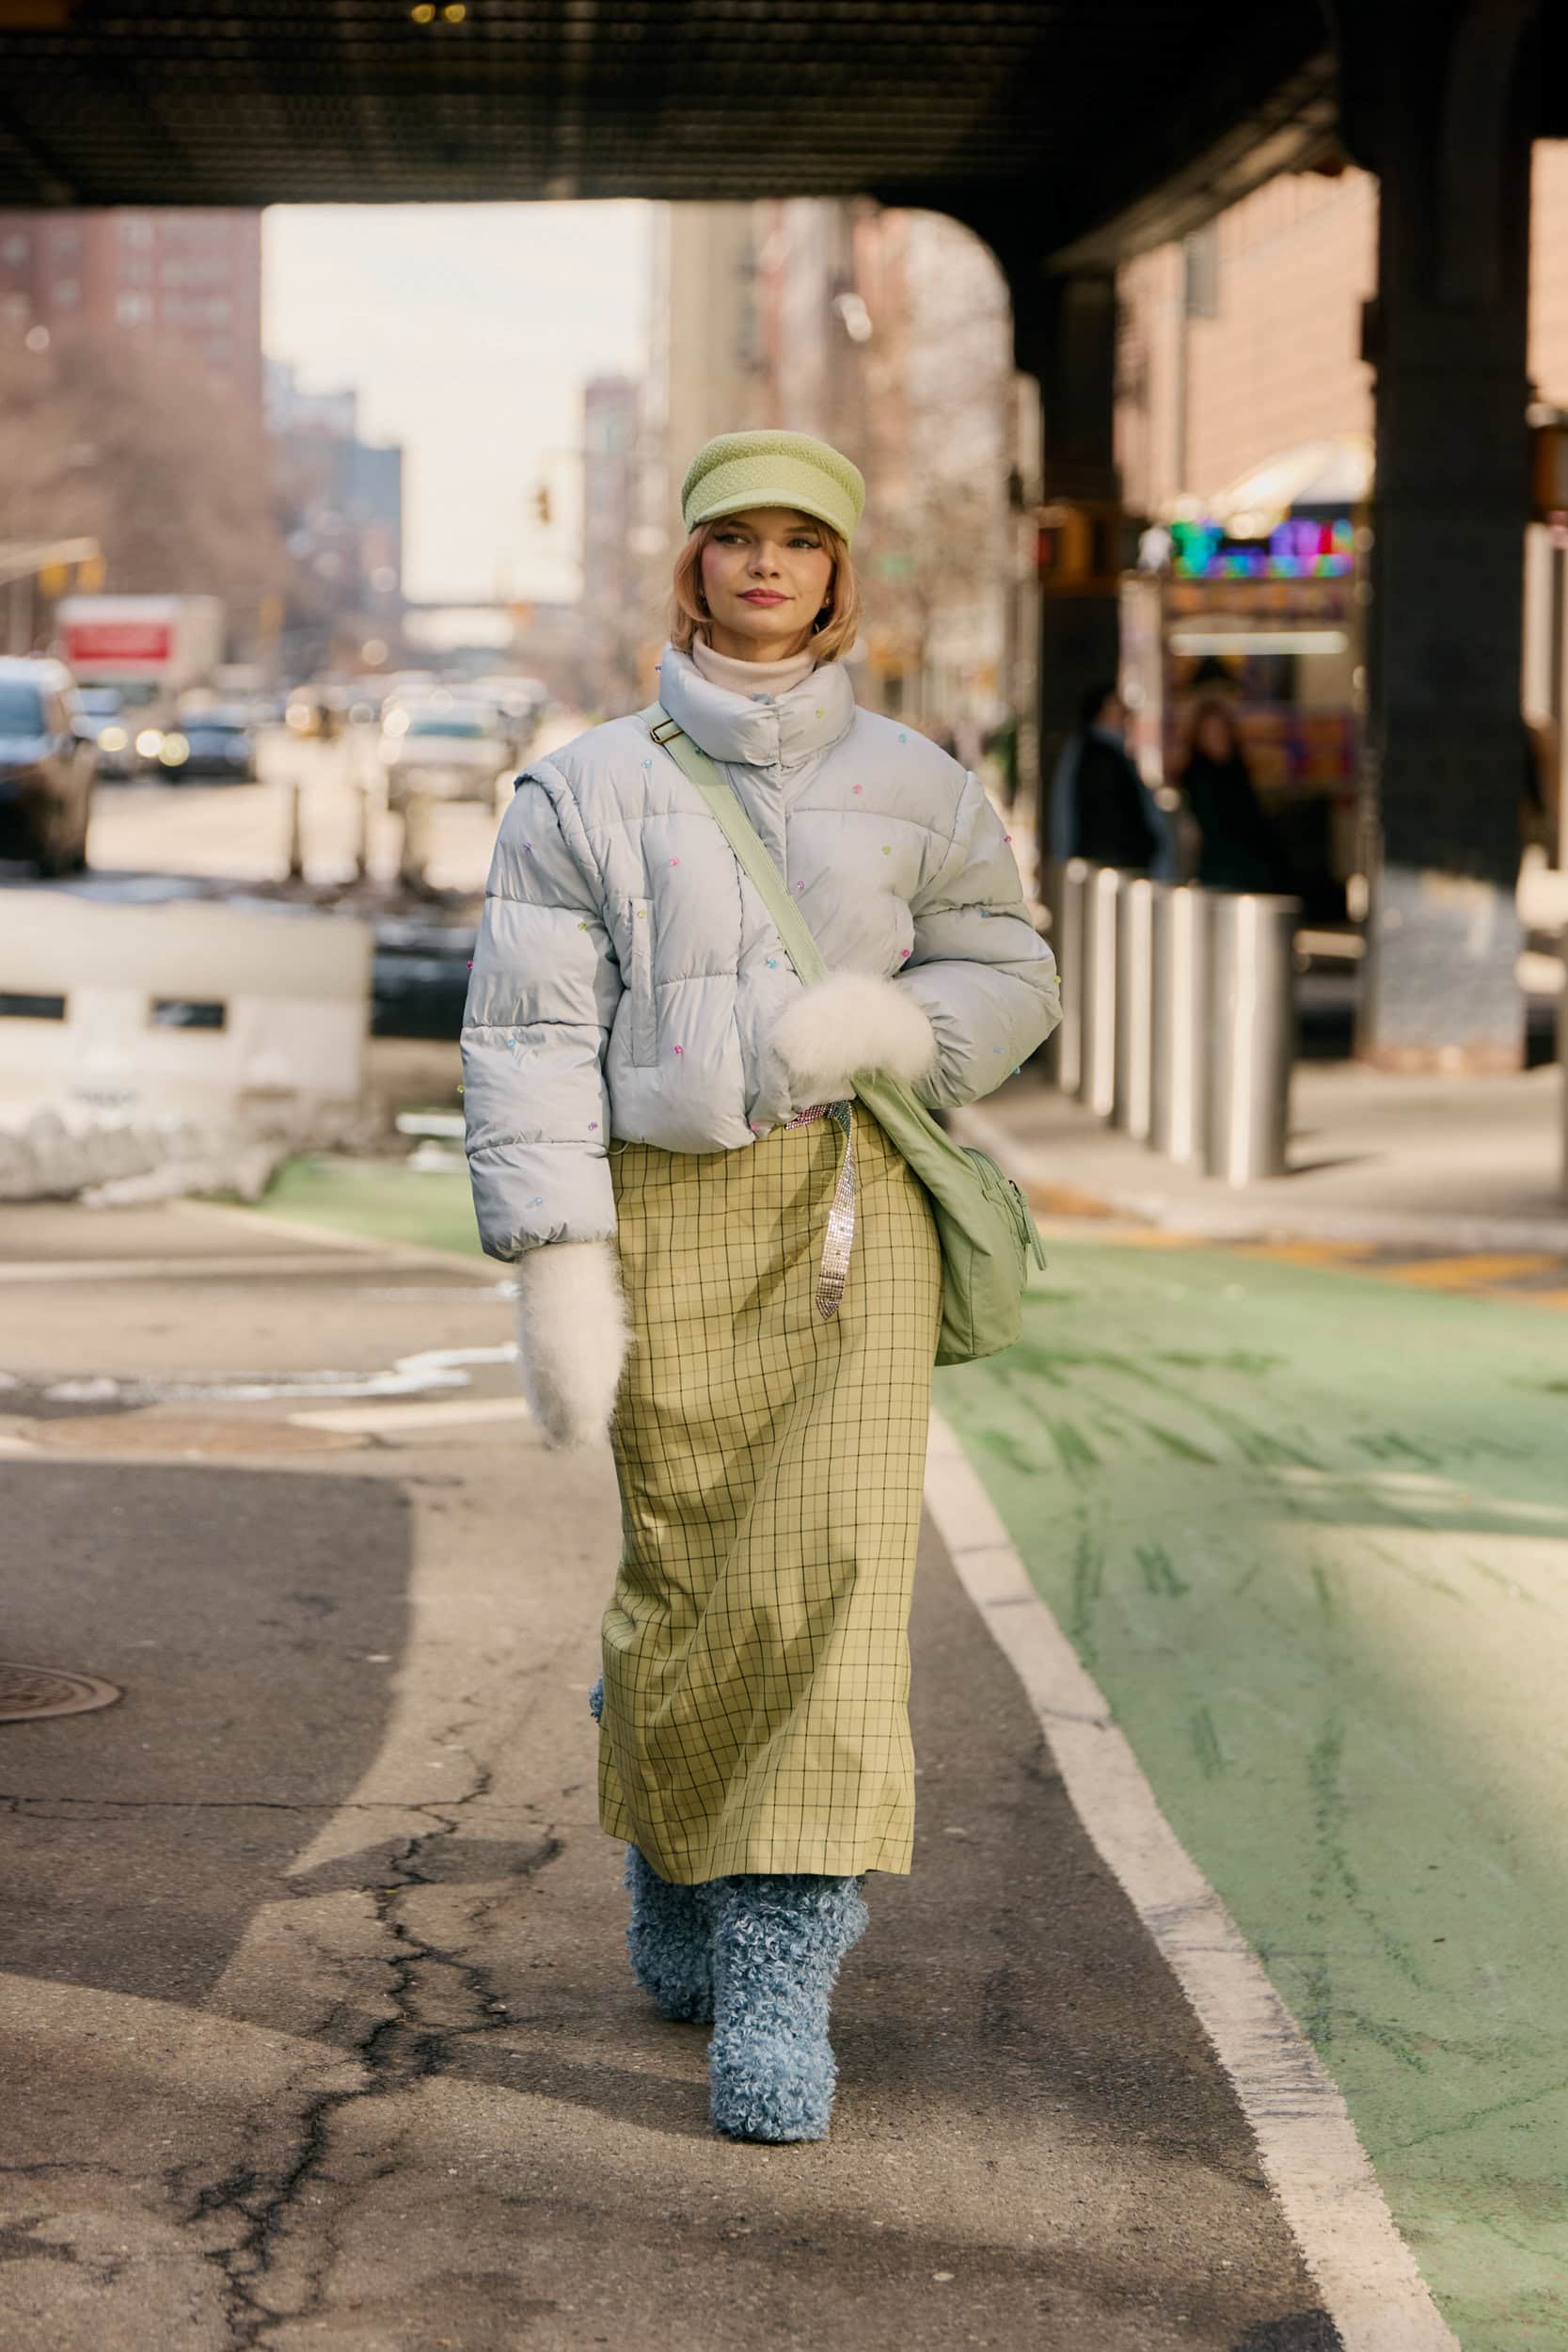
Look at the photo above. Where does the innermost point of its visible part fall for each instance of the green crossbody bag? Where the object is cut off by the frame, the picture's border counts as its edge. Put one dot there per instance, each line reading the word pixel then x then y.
pixel 987 1233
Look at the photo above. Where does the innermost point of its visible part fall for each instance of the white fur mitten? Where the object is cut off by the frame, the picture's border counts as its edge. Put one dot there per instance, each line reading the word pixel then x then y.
pixel 852 1020
pixel 572 1338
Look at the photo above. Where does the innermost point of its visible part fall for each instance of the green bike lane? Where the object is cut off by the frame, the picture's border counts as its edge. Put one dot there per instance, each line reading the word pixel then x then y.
pixel 1309 1532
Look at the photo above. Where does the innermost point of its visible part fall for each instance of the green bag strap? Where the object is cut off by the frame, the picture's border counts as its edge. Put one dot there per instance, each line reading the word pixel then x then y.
pixel 897 1106
pixel 724 803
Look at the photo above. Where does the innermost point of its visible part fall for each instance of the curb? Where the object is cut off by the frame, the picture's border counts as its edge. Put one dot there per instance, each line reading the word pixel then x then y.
pixel 1237 1220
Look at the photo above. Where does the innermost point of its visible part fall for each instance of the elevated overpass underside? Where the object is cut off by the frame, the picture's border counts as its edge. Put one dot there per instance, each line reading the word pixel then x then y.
pixel 1069 134
pixel 1069 114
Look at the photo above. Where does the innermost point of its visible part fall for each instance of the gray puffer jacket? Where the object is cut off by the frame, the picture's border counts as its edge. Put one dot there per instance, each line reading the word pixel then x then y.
pixel 627 977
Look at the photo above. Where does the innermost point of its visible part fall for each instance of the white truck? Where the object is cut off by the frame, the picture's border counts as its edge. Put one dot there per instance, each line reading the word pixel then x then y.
pixel 151 650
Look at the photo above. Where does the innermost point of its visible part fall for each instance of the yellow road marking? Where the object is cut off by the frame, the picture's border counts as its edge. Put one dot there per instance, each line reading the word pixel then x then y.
pixel 1311 1252
pixel 1465 1274
pixel 1481 1271
pixel 1152 1237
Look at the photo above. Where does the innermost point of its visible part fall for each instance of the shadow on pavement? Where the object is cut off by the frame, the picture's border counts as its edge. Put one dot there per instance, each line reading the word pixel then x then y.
pixel 254 1621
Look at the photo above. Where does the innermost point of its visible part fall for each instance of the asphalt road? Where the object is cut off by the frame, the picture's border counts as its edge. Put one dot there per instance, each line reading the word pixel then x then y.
pixel 320 2032
pixel 241 832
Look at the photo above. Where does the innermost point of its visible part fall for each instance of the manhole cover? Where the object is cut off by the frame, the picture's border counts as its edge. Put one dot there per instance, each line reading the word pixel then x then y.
pixel 187 1435
pixel 29 1692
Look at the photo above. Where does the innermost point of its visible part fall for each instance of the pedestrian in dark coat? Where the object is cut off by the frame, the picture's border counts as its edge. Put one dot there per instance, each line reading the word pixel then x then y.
pixel 1100 807
pixel 1239 851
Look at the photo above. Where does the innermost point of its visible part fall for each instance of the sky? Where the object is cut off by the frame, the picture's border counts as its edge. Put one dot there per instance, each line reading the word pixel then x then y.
pixel 468 331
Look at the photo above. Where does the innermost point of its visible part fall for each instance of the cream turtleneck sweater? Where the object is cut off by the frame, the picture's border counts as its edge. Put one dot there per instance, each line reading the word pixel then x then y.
pixel 755 679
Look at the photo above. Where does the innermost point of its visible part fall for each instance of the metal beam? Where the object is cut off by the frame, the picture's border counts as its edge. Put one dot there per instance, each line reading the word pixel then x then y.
pixel 1294 129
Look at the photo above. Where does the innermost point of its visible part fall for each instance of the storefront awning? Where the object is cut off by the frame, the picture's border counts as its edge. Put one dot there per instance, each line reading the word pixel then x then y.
pixel 1334 473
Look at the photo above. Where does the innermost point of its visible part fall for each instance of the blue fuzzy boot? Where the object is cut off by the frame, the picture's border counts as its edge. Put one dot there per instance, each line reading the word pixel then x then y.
pixel 670 1933
pixel 669 1937
pixel 777 1945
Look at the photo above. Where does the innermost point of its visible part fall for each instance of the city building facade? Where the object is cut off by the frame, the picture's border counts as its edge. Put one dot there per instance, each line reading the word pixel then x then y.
pixel 339 511
pixel 1244 437
pixel 888 333
pixel 621 584
pixel 177 281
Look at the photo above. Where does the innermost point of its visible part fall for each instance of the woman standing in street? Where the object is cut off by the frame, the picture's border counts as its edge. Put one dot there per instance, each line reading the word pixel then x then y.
pixel 746 1280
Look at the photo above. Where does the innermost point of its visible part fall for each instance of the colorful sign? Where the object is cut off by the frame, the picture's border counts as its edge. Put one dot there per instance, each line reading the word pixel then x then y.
pixel 1297 548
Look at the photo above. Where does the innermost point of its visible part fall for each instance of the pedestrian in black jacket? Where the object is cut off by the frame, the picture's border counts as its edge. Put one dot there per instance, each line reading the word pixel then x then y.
pixel 1099 806
pixel 1239 851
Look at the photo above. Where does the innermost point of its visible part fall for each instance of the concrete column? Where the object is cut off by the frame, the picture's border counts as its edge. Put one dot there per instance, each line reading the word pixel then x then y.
pixel 1439 100
pixel 1065 329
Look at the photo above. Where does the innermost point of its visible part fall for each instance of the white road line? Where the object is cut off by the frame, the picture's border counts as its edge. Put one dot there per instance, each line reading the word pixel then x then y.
pixel 161 1269
pixel 388 1420
pixel 1317 2166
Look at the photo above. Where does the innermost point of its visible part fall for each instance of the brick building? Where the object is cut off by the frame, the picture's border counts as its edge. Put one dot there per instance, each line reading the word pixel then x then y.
pixel 188 282
pixel 1245 340
pixel 339 507
pixel 1240 354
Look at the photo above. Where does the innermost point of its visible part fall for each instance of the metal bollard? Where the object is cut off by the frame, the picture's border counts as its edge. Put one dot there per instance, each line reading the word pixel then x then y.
pixel 414 855
pixel 1177 1053
pixel 297 832
pixel 1251 1031
pixel 362 833
pixel 1133 1075
pixel 1069 882
pixel 1097 1077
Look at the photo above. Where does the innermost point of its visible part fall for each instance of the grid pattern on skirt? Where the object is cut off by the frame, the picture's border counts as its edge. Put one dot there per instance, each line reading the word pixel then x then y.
pixel 770 1463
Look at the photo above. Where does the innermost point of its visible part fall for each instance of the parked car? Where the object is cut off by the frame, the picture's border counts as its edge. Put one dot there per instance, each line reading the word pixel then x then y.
pixel 451 750
pixel 46 768
pixel 106 723
pixel 218 742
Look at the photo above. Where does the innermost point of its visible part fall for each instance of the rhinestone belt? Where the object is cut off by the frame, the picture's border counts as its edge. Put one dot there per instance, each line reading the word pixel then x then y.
pixel 834 1267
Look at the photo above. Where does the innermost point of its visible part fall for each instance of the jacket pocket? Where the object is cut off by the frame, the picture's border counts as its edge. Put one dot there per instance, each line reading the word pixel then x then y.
pixel 640 981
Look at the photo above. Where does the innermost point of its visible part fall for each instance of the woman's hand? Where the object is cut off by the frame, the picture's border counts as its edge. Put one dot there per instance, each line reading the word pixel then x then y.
pixel 572 1338
pixel 852 1020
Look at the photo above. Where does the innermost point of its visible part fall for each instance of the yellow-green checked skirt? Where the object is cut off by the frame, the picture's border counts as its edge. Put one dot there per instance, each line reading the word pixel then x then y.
pixel 771 1465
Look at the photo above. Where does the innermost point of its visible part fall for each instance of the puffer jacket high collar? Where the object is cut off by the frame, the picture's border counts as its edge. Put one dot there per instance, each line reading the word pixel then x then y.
pixel 777 734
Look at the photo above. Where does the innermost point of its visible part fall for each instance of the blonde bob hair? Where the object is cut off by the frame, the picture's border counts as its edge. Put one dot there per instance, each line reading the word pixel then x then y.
pixel 833 631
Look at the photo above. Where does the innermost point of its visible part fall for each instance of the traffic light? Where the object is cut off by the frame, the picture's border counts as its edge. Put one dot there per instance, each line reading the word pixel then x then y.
pixel 1081 547
pixel 542 506
pixel 1063 546
pixel 1549 470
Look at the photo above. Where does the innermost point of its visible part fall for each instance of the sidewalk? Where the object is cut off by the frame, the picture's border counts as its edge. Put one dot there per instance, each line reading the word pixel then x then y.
pixel 1470 1164
pixel 321 2035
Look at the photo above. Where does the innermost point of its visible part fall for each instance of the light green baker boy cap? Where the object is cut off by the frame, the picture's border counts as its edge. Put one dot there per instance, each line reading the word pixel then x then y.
pixel 741 470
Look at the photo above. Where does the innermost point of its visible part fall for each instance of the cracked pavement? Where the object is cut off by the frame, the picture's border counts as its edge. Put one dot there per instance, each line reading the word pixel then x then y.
pixel 318 2026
